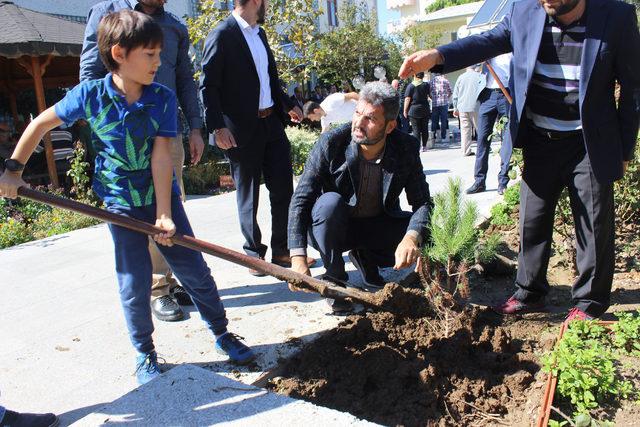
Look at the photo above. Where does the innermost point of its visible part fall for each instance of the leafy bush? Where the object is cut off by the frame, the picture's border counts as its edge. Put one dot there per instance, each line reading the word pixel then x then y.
pixel 203 177
pixel 501 212
pixel 13 232
pixel 302 141
pixel 585 365
pixel 627 193
pixel 59 221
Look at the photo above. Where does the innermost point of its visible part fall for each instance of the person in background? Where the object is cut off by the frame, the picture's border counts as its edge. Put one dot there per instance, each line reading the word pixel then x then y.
pixel 335 109
pixel 416 109
pixel 298 97
pixel 465 100
pixel 440 95
pixel 493 106
pixel 316 95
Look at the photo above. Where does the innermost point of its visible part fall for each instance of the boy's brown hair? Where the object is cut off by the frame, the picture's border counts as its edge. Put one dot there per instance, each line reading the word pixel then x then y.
pixel 129 29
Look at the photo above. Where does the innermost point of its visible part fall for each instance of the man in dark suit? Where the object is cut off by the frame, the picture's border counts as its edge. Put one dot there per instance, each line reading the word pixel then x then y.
pixel 245 109
pixel 348 195
pixel 567 57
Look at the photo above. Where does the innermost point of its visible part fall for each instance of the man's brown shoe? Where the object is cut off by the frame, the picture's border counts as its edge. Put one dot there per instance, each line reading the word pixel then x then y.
pixel 285 261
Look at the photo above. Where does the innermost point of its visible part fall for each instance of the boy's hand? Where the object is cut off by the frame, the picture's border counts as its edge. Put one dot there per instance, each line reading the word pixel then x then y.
pixel 9 184
pixel 170 229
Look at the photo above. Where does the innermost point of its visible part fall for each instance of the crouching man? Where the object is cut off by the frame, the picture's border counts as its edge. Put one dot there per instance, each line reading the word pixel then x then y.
pixel 348 196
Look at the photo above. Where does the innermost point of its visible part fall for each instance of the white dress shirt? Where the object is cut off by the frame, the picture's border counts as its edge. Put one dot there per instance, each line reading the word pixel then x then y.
pixel 500 65
pixel 260 59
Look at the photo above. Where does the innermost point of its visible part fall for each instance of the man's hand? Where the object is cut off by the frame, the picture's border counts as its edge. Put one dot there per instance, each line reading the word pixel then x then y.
pixel 407 252
pixel 170 229
pixel 299 265
pixel 224 138
pixel 196 146
pixel 456 113
pixel 423 60
pixel 9 184
pixel 625 166
pixel 296 114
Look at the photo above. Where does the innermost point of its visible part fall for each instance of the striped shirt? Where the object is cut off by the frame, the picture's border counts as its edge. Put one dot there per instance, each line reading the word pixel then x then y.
pixel 553 102
pixel 440 91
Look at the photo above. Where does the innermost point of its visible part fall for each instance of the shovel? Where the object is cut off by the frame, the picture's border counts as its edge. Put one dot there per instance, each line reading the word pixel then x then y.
pixel 322 287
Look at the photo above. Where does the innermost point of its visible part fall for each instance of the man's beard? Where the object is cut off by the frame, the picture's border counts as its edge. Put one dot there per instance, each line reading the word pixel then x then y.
pixel 562 9
pixel 261 14
pixel 366 140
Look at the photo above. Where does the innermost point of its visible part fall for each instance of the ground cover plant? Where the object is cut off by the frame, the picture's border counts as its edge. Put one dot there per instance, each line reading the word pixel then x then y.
pixel 595 370
pixel 23 220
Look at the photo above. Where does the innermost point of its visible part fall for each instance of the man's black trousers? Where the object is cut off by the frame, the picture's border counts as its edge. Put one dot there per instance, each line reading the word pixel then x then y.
pixel 267 154
pixel 549 167
pixel 333 232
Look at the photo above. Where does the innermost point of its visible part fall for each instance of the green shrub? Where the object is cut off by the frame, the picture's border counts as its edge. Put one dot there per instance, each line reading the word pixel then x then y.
pixel 626 332
pixel 59 221
pixel 302 141
pixel 627 193
pixel 13 232
pixel 203 177
pixel 501 212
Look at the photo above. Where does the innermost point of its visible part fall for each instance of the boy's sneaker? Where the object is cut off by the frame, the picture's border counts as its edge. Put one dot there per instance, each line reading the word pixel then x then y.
pixel 576 314
pixel 230 345
pixel 16 419
pixel 515 306
pixel 147 367
pixel 368 270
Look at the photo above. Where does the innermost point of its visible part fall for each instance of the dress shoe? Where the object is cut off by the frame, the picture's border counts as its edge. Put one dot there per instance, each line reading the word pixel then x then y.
pixel 576 314
pixel 340 307
pixel 476 188
pixel 469 154
pixel 367 268
pixel 180 295
pixel 515 306
pixel 166 309
pixel 16 419
pixel 501 190
pixel 285 261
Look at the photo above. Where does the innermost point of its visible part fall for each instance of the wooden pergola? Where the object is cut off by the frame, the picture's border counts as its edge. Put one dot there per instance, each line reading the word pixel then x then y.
pixel 37 51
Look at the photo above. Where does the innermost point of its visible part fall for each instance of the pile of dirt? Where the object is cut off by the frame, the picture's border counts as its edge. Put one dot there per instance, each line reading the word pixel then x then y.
pixel 445 368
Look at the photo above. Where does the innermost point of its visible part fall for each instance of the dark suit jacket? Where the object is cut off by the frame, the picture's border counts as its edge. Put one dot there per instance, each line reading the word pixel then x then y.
pixel 610 53
pixel 333 167
pixel 229 84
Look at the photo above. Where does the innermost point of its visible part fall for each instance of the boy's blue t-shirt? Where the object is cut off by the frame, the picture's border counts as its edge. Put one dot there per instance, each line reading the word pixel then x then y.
pixel 123 136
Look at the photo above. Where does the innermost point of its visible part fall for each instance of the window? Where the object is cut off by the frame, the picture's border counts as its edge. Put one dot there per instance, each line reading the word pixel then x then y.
pixel 332 12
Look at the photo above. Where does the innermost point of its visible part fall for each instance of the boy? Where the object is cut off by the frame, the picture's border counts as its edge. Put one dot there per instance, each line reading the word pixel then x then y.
pixel 132 119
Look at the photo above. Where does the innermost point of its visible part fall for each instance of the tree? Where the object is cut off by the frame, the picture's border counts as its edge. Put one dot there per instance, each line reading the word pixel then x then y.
pixel 355 46
pixel 290 29
pixel 419 36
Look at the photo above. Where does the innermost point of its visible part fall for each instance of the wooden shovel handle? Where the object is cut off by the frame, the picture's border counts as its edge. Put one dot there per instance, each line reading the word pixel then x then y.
pixel 324 288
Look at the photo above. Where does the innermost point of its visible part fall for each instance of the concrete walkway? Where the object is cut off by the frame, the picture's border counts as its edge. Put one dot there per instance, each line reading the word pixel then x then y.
pixel 63 343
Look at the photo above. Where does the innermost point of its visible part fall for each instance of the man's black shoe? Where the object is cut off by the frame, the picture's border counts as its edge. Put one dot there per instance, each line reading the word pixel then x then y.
pixel 180 295
pixel 367 269
pixel 469 153
pixel 339 307
pixel 476 188
pixel 166 309
pixel 15 419
pixel 501 190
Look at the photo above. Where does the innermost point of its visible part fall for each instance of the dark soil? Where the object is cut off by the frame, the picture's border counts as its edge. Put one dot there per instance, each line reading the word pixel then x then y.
pixel 412 371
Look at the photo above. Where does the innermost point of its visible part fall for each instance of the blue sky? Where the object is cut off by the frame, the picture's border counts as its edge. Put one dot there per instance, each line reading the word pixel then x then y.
pixel 385 15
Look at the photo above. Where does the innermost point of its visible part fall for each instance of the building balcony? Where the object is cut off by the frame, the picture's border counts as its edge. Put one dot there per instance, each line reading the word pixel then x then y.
pixel 397 4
